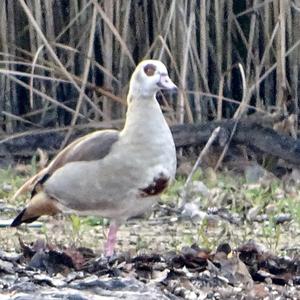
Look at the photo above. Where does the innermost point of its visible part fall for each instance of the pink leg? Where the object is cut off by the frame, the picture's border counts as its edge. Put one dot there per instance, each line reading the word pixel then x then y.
pixel 111 239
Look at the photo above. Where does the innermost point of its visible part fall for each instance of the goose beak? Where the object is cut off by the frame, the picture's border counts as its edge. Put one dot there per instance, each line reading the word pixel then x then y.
pixel 166 83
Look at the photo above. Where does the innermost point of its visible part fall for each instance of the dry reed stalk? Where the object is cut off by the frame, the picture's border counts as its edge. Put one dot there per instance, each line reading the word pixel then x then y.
pixel 220 99
pixel 251 43
pixel 259 102
pixel 37 14
pixel 266 58
pixel 178 33
pixel 25 74
pixel 273 67
pixel 76 14
pixel 203 23
pixel 197 111
pixel 226 99
pixel 52 52
pixel 289 31
pixel 32 36
pixel 124 34
pixel 37 11
pixel 57 71
pixel 107 48
pixel 50 16
pixel 295 36
pixel 24 64
pixel 32 74
pixel 48 98
pixel 243 104
pixel 200 81
pixel 279 48
pixel 84 79
pixel 11 106
pixel 167 25
pixel 39 111
pixel 203 37
pixel 3 39
pixel 228 54
pixel 242 35
pixel 199 38
pixel 254 8
pixel 183 102
pixel 114 31
pixel 219 18
pixel 19 118
pixel 282 75
pixel 245 100
pixel 237 116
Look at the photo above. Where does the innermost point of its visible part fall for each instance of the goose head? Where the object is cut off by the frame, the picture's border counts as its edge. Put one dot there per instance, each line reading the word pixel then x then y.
pixel 149 77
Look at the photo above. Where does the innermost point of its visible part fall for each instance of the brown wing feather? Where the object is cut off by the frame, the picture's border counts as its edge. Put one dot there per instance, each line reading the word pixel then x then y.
pixel 93 146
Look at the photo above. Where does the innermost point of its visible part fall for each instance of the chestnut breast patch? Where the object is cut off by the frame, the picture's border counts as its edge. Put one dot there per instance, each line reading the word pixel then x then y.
pixel 149 69
pixel 158 184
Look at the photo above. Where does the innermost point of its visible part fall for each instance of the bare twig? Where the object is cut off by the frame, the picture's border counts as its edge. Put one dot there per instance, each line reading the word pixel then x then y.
pixel 198 163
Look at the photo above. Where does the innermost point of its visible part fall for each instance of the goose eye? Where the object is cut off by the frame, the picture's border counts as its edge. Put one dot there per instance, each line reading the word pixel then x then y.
pixel 149 69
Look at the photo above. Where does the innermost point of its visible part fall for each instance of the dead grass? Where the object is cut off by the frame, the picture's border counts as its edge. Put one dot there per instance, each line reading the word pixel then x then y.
pixel 166 230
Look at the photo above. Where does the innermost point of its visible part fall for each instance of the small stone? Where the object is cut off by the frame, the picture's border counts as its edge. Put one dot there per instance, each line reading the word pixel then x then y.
pixel 10 256
pixel 295 175
pixel 202 295
pixel 191 210
pixel 237 289
pixel 262 218
pixel 271 208
pixel 28 286
pixel 198 187
pixel 253 173
pixel 6 266
pixel 268 280
pixel 6 187
pixel 74 275
pixel 282 218
pixel 252 213
pixel 184 168
pixel 190 295
pixel 55 282
pixel 174 219
pixel 159 276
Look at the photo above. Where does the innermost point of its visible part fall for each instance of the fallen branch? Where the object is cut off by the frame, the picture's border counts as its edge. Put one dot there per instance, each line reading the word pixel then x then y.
pixel 248 133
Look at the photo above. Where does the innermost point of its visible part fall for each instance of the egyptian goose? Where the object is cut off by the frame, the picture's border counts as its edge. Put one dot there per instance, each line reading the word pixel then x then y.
pixel 109 173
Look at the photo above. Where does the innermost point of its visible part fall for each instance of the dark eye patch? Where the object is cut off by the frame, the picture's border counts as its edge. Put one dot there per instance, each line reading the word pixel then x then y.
pixel 149 69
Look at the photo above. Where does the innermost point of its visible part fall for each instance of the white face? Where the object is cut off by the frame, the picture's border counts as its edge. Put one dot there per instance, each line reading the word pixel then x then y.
pixel 151 76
